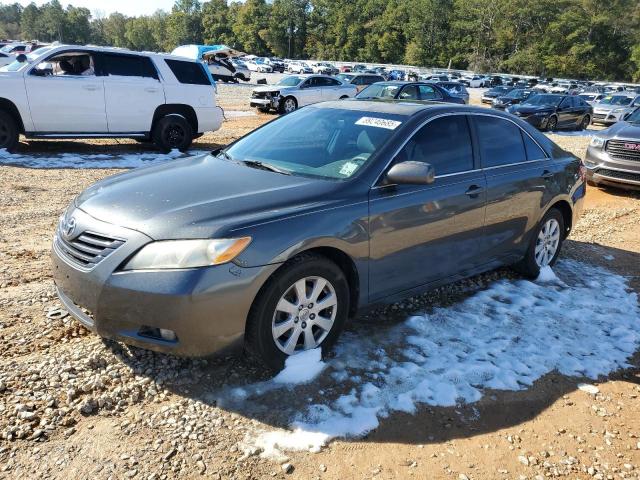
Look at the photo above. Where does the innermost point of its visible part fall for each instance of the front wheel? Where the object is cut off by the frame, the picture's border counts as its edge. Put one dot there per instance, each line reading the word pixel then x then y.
pixel 545 245
pixel 8 132
pixel 288 105
pixel 584 124
pixel 552 123
pixel 173 132
pixel 302 307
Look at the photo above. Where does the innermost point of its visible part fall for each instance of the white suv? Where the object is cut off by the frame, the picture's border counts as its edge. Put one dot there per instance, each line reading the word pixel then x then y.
pixel 88 92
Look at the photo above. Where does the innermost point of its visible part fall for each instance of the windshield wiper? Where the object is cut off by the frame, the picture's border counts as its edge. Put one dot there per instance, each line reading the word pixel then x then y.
pixel 265 166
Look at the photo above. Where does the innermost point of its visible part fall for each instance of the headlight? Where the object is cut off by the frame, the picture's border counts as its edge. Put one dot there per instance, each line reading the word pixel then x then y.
pixel 618 110
pixel 596 142
pixel 170 254
pixel 541 114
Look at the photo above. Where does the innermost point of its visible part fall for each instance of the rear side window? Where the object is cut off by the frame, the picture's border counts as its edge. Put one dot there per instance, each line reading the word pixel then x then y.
pixel 534 152
pixel 427 92
pixel 127 66
pixel 445 143
pixel 188 72
pixel 500 141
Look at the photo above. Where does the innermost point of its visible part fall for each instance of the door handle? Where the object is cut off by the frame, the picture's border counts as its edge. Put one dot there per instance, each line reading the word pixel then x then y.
pixel 91 88
pixel 547 174
pixel 474 191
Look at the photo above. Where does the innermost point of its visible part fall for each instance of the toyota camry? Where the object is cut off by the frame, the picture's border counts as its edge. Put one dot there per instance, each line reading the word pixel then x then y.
pixel 280 237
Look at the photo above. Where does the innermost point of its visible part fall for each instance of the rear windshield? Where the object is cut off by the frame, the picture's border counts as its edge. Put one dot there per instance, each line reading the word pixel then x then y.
pixel 320 142
pixel 189 72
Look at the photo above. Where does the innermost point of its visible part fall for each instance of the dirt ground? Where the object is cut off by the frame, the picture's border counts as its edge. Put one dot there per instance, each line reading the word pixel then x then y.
pixel 73 406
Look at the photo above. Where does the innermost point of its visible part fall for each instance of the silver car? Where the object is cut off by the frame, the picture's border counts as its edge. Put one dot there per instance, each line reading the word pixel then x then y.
pixel 613 108
pixel 613 156
pixel 295 91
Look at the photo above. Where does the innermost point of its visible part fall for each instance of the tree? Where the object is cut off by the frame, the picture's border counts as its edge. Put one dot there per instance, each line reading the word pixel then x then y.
pixel 184 24
pixel 77 28
pixel 115 30
pixel 10 20
pixel 287 29
pixel 217 23
pixel 250 27
pixel 51 21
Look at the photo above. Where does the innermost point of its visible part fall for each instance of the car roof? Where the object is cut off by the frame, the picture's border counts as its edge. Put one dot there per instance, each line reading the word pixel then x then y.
pixel 400 107
pixel 94 48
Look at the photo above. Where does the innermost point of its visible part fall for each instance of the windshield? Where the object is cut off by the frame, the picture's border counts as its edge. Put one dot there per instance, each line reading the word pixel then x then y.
pixel 518 94
pixel 7 48
pixel 543 100
pixel 620 100
pixel 15 65
pixel 379 90
pixel 634 117
pixel 500 90
pixel 345 77
pixel 587 98
pixel 321 142
pixel 290 81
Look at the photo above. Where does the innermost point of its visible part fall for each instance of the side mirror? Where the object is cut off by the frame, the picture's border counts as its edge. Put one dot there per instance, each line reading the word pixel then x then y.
pixel 21 58
pixel 411 173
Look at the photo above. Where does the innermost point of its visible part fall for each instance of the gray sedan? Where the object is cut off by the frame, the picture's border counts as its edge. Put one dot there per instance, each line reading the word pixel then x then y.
pixel 280 237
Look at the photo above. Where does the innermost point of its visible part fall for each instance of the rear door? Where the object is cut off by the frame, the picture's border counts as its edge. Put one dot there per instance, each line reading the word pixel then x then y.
pixel 566 112
pixel 132 91
pixel 518 174
pixel 423 233
pixel 310 91
pixel 331 88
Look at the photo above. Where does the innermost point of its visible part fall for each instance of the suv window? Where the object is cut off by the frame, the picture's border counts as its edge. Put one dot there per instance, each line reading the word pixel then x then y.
pixel 127 65
pixel 188 72
pixel 326 82
pixel 500 141
pixel 68 63
pixel 534 152
pixel 409 92
pixel 566 102
pixel 445 143
pixel 427 92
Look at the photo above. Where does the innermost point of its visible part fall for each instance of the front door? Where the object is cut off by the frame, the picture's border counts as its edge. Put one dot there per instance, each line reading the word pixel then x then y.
pixel 65 95
pixel 310 92
pixel 423 233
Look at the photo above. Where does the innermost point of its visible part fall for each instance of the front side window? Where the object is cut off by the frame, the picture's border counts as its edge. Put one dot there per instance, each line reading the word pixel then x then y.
pixel 444 143
pixel 328 143
pixel 379 90
pixel 500 141
pixel 67 63
pixel 427 92
pixel 290 81
pixel 409 93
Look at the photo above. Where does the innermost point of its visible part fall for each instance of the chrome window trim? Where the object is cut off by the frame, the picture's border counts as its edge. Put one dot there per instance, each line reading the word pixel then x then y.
pixel 448 114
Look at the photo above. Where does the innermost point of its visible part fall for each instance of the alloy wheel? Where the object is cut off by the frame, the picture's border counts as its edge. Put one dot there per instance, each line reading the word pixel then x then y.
pixel 175 135
pixel 289 105
pixel 304 315
pixel 552 124
pixel 547 242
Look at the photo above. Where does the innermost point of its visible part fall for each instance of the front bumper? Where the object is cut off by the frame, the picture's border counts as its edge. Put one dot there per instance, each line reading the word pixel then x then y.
pixel 537 121
pixel 603 169
pixel 270 102
pixel 487 100
pixel 606 118
pixel 205 307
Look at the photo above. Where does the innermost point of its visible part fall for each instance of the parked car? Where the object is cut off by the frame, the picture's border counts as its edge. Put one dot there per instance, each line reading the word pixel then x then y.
pixel 283 235
pixel 408 91
pixel 258 65
pixel 495 92
pixel 324 68
pixel 277 64
pixel 299 67
pixel 360 80
pixel 514 97
pixel 613 156
pixel 359 68
pixel 612 109
pixel 6 59
pixel 295 91
pixel 345 68
pixel 73 91
pixel 242 71
pixel 456 89
pixel 479 81
pixel 547 111
pixel 219 60
pixel 591 97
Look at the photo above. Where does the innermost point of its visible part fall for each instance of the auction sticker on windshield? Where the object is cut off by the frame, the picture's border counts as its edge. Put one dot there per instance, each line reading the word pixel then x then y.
pixel 378 122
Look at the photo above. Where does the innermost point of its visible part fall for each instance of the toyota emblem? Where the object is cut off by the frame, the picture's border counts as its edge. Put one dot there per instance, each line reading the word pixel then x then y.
pixel 69 227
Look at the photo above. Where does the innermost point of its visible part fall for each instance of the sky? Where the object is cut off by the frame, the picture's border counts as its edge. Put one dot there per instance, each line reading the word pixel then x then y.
pixel 105 7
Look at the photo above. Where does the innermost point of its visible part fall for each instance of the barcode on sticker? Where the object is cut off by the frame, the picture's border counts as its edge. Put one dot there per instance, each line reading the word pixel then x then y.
pixel 378 122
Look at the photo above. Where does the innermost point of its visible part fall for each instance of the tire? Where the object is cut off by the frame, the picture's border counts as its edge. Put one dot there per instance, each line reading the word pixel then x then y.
pixel 173 131
pixel 552 123
pixel 288 105
pixel 9 134
pixel 263 110
pixel 344 97
pixel 584 124
pixel 530 265
pixel 270 345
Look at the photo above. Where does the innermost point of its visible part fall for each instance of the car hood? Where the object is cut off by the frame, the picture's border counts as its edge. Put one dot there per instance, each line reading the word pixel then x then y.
pixel 606 107
pixel 621 130
pixel 202 197
pixel 272 88
pixel 528 109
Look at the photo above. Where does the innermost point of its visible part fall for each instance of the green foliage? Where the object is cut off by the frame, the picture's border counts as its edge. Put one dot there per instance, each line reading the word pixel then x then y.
pixel 573 38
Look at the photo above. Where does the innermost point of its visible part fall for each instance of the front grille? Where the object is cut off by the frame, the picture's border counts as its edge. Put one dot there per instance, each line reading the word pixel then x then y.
pixel 87 249
pixel 258 95
pixel 623 149
pixel 632 177
pixel 600 116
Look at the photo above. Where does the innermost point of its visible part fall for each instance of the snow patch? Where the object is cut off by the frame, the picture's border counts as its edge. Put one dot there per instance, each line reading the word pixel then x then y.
pixel 505 338
pixel 301 368
pixel 591 389
pixel 609 258
pixel 546 275
pixel 77 160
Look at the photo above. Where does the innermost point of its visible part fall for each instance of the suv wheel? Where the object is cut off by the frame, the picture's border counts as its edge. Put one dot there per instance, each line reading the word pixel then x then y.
pixel 586 120
pixel 8 132
pixel 303 306
pixel 173 131
pixel 552 123
pixel 545 245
